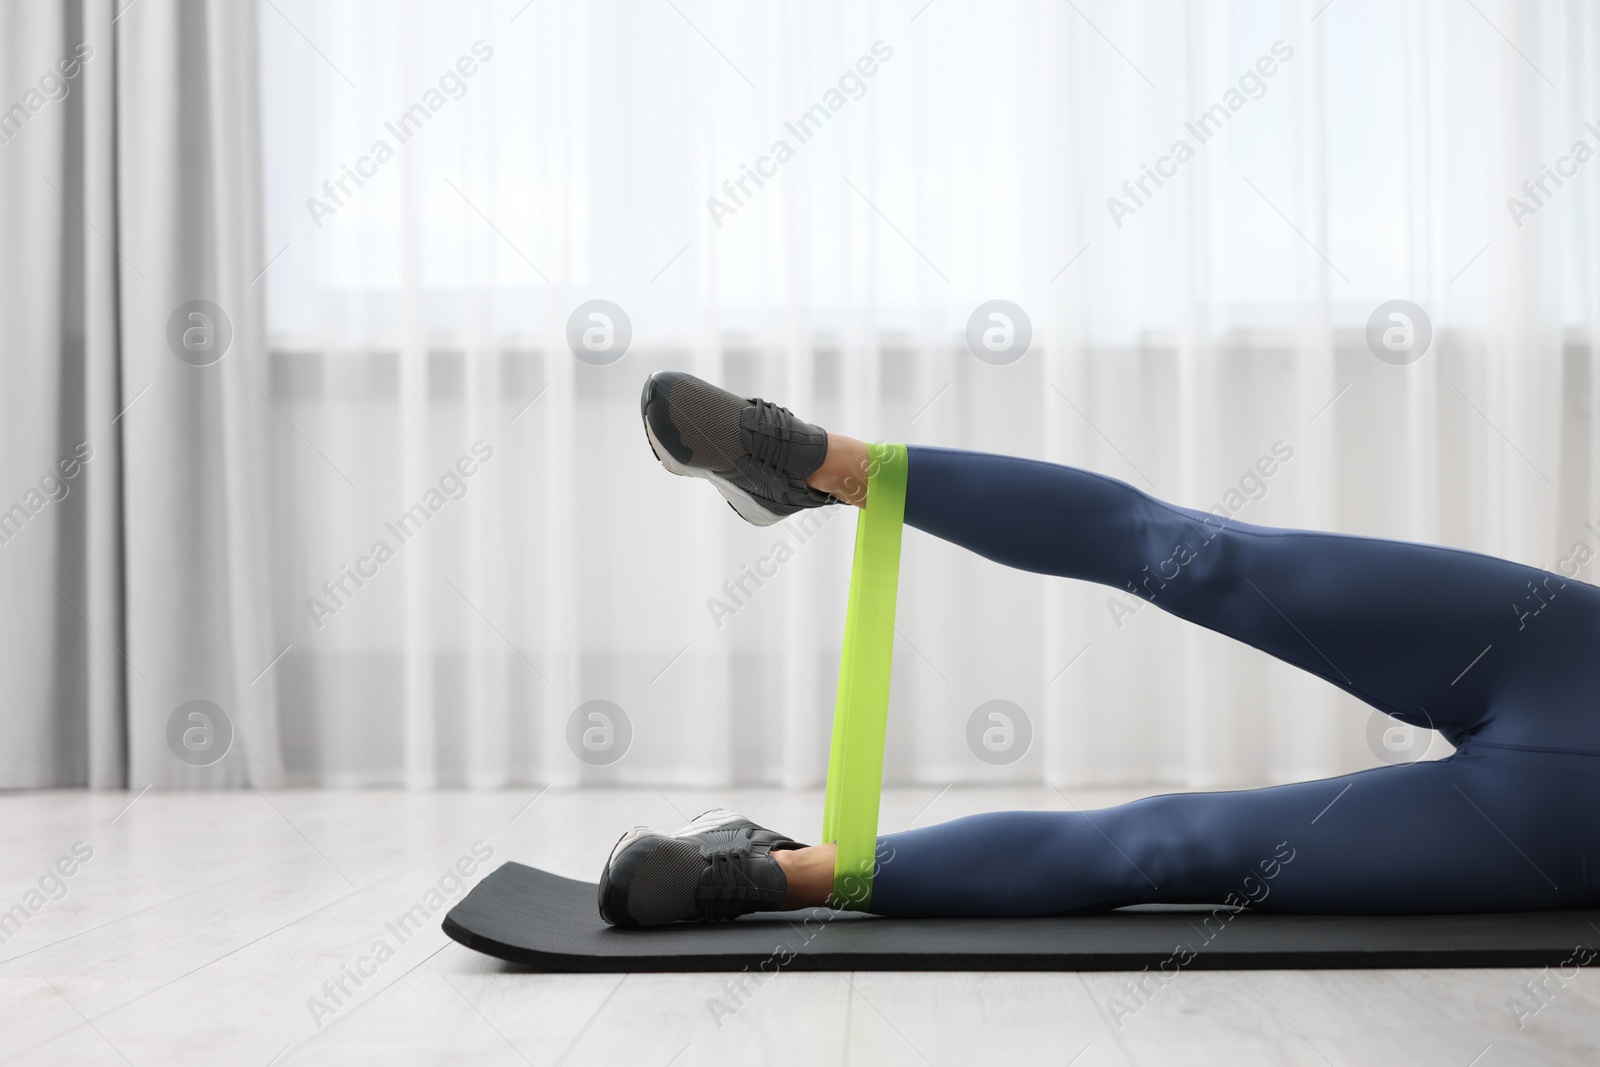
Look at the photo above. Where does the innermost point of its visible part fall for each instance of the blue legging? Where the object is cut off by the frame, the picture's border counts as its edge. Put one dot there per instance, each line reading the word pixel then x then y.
pixel 1502 659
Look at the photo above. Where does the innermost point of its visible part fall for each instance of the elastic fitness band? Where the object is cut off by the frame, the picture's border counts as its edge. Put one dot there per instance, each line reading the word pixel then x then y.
pixel 861 710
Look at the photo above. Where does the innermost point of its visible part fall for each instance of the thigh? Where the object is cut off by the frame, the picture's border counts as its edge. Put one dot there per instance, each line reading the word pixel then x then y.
pixel 1502 831
pixel 1431 635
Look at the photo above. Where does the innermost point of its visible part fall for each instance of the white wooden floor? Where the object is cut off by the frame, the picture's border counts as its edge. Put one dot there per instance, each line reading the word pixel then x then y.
pixel 202 926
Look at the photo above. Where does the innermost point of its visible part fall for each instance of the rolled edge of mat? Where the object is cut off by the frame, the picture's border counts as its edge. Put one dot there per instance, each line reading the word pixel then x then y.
pixel 861 710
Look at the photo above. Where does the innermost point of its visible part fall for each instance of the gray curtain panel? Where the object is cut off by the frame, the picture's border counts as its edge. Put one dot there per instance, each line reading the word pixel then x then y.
pixel 135 645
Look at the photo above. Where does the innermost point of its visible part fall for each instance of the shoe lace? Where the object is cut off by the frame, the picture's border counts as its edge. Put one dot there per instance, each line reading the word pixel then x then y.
pixel 721 900
pixel 772 437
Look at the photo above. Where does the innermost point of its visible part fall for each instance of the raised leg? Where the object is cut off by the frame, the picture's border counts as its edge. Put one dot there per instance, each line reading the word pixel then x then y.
pixel 1437 637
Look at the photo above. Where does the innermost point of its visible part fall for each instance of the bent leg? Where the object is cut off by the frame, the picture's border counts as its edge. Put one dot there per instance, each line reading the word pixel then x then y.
pixel 1434 636
pixel 1499 832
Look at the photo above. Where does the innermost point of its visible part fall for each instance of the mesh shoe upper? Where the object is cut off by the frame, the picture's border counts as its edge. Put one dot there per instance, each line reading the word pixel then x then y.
pixel 717 868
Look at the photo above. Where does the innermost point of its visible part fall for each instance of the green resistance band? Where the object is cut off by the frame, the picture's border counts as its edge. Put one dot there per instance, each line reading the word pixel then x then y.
pixel 861 711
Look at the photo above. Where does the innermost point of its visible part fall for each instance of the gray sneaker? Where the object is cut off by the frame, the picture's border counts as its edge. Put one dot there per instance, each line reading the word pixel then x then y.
pixel 756 453
pixel 717 868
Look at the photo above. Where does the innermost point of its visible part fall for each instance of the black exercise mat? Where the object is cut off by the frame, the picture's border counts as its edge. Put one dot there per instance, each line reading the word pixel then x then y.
pixel 549 923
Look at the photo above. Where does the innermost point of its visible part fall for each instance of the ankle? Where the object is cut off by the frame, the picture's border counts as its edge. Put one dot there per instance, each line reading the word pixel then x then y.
pixel 844 470
pixel 809 872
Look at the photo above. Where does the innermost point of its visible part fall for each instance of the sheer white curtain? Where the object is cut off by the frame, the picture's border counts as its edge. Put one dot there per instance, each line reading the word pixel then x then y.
pixel 1207 325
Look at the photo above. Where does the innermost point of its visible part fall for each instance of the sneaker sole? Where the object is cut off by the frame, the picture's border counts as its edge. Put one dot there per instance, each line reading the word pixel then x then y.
pixel 750 508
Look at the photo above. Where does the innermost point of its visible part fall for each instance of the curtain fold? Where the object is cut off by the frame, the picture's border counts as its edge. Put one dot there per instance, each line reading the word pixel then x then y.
pixel 61 566
pixel 129 198
pixel 188 184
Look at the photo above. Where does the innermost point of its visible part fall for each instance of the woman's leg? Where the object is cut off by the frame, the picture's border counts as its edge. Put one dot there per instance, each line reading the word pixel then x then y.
pixel 1412 839
pixel 1437 637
